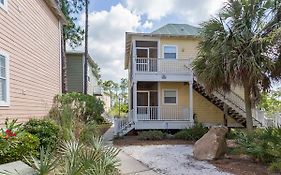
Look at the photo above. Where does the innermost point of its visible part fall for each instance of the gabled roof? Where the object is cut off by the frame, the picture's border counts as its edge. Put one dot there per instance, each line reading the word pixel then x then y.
pixel 177 30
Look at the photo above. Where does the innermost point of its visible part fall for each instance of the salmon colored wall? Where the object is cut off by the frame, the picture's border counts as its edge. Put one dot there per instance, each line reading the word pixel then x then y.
pixel 30 35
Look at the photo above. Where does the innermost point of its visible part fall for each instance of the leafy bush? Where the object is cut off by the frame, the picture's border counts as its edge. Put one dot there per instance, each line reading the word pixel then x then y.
pixel 85 107
pixel 114 111
pixel 77 158
pixel 90 130
pixel 151 135
pixel 194 133
pixel 262 144
pixel 46 130
pixel 15 146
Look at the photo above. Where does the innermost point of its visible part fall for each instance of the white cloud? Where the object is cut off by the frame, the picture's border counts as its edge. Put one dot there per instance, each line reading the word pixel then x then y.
pixel 107 39
pixel 194 11
pixel 147 25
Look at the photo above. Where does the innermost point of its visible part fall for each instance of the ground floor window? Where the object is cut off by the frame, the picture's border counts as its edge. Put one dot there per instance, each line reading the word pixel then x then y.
pixel 3 80
pixel 170 96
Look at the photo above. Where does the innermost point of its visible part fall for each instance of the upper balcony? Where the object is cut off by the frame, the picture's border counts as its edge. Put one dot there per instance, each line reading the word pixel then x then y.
pixel 160 69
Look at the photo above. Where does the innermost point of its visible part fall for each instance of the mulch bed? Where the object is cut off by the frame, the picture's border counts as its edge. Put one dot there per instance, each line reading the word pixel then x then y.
pixel 104 127
pixel 240 165
pixel 235 164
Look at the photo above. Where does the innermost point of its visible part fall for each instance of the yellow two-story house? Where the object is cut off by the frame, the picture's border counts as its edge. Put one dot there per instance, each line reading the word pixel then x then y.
pixel 163 91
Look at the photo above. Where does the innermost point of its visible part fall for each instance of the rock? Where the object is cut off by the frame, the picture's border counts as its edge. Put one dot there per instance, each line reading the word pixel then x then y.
pixel 17 167
pixel 212 145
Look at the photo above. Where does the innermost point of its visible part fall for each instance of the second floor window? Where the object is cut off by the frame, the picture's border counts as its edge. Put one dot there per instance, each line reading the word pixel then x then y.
pixel 170 52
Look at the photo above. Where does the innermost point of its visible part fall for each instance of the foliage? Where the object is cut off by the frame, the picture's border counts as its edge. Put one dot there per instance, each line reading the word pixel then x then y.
pixel 117 92
pixel 241 46
pixel 46 130
pixel 13 148
pixel 114 111
pixel 151 135
pixel 65 118
pixel 270 102
pixel 85 107
pixel 77 158
pixel 91 129
pixel 46 163
pixel 262 144
pixel 194 133
pixel 16 143
pixel 72 33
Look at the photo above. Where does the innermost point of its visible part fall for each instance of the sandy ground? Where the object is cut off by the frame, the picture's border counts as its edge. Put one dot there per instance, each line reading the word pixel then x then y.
pixel 171 160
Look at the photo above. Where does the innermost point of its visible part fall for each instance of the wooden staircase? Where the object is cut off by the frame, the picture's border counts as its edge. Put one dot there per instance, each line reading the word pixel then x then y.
pixel 235 104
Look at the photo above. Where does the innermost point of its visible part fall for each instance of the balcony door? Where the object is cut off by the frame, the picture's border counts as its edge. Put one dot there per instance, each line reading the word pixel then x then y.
pixel 146 56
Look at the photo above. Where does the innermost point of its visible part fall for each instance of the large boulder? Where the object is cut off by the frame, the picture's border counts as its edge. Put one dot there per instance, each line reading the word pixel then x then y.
pixel 212 145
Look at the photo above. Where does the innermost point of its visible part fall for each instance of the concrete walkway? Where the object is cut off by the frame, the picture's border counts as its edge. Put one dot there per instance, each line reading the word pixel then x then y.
pixel 129 165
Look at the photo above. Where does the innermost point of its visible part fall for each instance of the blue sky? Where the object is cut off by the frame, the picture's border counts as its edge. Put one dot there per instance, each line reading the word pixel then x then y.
pixel 110 19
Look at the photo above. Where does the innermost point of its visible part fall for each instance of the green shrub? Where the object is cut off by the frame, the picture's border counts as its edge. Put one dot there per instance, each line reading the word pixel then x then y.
pixel 114 111
pixel 262 144
pixel 13 148
pixel 151 135
pixel 232 134
pixel 46 130
pixel 89 131
pixel 194 133
pixel 85 107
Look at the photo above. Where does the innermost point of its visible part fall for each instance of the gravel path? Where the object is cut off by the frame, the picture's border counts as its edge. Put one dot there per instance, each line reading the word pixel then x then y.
pixel 171 160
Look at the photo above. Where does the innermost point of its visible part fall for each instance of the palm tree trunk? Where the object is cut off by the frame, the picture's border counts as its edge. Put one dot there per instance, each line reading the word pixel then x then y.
pixel 86 49
pixel 248 107
pixel 63 64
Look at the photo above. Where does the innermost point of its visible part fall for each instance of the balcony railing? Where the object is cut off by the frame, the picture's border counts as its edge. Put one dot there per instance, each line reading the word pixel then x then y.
pixel 160 65
pixel 163 113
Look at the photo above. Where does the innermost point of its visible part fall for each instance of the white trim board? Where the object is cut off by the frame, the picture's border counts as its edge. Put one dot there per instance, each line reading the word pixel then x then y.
pixel 7 68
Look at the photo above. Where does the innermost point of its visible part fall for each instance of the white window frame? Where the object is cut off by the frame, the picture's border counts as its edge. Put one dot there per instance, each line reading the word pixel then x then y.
pixel 163 51
pixel 5 5
pixel 163 99
pixel 7 68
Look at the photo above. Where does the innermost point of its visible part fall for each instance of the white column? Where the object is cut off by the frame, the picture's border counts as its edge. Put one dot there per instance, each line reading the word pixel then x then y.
pixel 135 100
pixel 191 101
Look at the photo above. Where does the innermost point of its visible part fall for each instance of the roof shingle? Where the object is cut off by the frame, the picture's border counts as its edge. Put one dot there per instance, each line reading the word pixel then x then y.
pixel 177 30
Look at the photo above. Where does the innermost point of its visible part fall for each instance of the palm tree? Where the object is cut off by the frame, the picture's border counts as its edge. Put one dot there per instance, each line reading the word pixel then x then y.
pixel 239 47
pixel 86 47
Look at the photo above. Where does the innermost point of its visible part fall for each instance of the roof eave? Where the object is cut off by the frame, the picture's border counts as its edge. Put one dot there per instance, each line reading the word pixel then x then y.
pixel 57 11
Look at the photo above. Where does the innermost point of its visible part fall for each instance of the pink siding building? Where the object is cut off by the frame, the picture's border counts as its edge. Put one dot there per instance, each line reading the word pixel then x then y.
pixel 30 57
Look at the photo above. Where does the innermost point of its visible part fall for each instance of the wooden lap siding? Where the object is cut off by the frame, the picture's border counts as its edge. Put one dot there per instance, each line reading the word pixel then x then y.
pixel 29 34
pixel 75 72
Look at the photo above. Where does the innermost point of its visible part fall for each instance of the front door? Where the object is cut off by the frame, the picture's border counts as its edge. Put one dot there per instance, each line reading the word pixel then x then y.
pixel 143 105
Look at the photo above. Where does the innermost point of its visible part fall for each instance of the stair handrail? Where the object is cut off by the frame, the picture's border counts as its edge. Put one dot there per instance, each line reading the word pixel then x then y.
pixel 233 100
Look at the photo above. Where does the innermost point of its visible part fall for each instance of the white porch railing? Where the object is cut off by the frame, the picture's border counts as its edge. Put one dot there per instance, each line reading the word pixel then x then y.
pixel 273 121
pixel 163 113
pixel 124 123
pixel 160 65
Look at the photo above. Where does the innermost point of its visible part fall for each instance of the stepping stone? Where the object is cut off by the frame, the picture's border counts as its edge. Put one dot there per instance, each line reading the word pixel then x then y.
pixel 16 168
